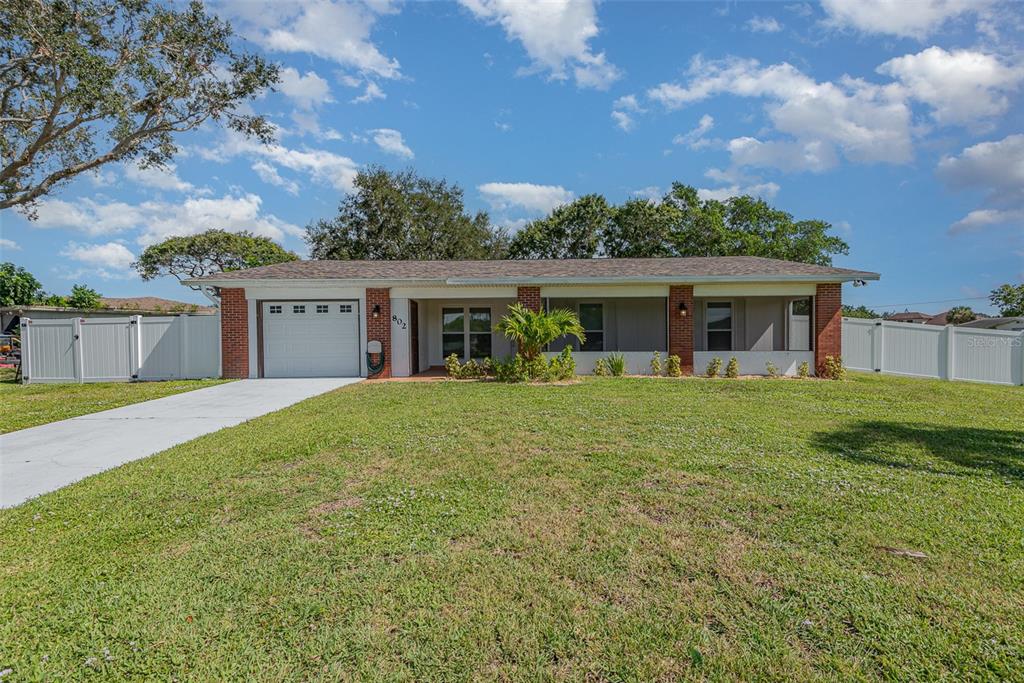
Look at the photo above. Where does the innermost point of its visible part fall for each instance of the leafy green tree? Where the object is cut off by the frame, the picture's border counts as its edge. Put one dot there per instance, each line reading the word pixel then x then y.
pixel 83 297
pixel 395 216
pixel 572 230
pixel 958 315
pixel 89 82
pixel 1009 299
pixel 639 228
pixel 533 330
pixel 213 251
pixel 18 287
pixel 859 312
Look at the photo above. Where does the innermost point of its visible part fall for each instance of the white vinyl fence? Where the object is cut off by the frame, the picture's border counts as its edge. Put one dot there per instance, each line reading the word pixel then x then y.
pixel 950 352
pixel 135 348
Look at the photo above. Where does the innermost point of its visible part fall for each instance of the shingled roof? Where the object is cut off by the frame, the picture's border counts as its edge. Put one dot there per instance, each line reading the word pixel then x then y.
pixel 712 268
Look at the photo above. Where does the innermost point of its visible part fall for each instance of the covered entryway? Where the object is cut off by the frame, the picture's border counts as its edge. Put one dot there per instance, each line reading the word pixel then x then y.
pixel 310 338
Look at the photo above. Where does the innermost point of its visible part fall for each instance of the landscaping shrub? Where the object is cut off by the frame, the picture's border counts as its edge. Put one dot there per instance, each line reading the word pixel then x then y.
pixel 771 369
pixel 714 367
pixel 804 370
pixel 834 368
pixel 601 368
pixel 674 366
pixel 470 370
pixel 656 364
pixel 732 370
pixel 452 366
pixel 563 366
pixel 539 369
pixel 617 364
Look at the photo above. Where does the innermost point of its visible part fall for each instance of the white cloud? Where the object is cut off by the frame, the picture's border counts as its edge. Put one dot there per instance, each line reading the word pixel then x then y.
pixel 763 190
pixel 112 255
pixel 811 155
pixel 628 103
pixel 159 178
pixel 372 92
pixel 270 175
pixel 308 123
pixel 556 35
pixel 391 142
pixel 868 123
pixel 8 245
pixel 916 19
pixel 763 25
pixel 695 139
pixel 651 192
pixel 995 167
pixel 961 86
pixel 320 165
pixel 307 91
pixel 338 31
pixel 158 220
pixel 623 120
pixel 529 196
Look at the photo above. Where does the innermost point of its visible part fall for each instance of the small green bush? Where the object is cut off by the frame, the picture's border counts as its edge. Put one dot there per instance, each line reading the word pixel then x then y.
pixel 451 364
pixel 563 366
pixel 656 364
pixel 732 370
pixel 471 369
pixel 674 366
pixel 714 367
pixel 803 371
pixel 601 368
pixel 617 364
pixel 834 368
pixel 771 369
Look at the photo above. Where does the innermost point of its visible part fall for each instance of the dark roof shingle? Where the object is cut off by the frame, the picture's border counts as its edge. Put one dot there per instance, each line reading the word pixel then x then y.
pixel 741 267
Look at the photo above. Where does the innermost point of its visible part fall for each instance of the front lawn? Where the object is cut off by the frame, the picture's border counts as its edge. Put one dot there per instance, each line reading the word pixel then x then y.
pixel 29 405
pixel 614 529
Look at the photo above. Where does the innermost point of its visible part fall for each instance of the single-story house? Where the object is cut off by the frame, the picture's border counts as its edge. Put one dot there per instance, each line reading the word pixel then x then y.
pixel 909 317
pixel 330 318
pixel 1013 323
pixel 110 307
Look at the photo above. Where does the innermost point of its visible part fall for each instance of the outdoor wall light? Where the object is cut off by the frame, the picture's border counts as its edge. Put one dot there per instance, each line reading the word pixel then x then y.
pixel 376 310
pixel 682 309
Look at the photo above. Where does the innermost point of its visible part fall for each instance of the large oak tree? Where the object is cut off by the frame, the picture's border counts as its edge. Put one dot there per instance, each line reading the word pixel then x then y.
pixel 84 83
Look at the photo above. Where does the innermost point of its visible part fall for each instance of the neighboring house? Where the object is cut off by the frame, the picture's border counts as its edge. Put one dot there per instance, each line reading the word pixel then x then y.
pixel 10 316
pixel 940 318
pixel 1012 323
pixel 909 317
pixel 328 318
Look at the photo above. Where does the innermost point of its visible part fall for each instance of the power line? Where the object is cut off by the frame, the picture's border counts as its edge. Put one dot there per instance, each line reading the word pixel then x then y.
pixel 938 301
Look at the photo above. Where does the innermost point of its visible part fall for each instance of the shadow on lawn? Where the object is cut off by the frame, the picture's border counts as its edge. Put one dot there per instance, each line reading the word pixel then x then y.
pixel 883 443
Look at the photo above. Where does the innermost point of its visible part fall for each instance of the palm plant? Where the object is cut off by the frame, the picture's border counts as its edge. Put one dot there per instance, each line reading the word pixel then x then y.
pixel 533 330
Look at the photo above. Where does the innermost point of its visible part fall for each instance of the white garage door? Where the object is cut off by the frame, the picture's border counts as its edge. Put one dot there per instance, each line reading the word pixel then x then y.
pixel 310 339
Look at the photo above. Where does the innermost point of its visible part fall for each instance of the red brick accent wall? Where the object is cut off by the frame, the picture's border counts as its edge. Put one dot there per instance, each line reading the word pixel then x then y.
pixel 680 329
pixel 529 297
pixel 828 324
pixel 234 333
pixel 379 328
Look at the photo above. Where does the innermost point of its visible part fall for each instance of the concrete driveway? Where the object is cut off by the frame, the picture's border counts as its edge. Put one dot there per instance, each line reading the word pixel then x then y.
pixel 45 458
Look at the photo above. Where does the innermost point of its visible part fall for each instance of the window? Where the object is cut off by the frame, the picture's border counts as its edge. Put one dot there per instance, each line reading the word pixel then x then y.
pixel 298 309
pixel 321 308
pixel 719 326
pixel 592 319
pixel 275 309
pixel 466 332
pixel 345 308
pixel 802 307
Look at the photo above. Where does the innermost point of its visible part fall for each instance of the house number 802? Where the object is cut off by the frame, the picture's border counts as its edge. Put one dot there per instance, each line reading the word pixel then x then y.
pixel 398 321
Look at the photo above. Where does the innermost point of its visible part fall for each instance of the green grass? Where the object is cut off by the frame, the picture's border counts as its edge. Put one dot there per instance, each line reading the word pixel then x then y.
pixel 614 529
pixel 29 405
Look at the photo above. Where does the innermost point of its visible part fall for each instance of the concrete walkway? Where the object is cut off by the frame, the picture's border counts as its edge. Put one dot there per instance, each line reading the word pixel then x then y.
pixel 45 458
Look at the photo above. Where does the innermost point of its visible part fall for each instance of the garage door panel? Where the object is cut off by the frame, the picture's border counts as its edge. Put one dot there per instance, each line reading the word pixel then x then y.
pixel 299 341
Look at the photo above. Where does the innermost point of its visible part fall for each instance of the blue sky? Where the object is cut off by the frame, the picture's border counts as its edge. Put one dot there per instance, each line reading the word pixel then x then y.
pixel 899 122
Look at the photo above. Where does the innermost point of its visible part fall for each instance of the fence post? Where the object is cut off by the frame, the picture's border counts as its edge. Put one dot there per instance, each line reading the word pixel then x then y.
pixel 76 354
pixel 950 352
pixel 26 355
pixel 134 346
pixel 876 346
pixel 183 360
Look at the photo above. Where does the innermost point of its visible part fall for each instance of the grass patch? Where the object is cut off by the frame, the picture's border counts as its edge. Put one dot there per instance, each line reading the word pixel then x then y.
pixel 614 529
pixel 29 405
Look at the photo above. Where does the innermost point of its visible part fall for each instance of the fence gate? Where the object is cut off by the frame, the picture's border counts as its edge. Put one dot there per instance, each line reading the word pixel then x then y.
pixel 120 349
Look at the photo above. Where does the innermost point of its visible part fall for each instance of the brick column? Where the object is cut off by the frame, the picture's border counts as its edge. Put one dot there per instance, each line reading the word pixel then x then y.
pixel 529 297
pixel 379 328
pixel 680 328
pixel 234 333
pixel 828 324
